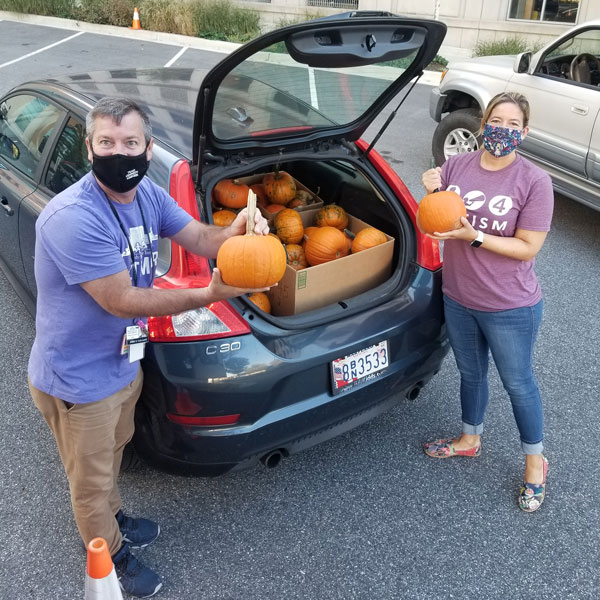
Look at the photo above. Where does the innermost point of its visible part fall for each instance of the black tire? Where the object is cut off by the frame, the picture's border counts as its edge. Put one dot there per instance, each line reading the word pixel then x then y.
pixel 455 134
pixel 131 460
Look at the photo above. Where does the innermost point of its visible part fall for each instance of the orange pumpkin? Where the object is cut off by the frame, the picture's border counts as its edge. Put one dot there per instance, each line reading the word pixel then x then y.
pixel 261 300
pixel 441 212
pixel 331 215
pixel 274 208
pixel 231 193
pixel 296 202
pixel 261 197
pixel 280 187
pixel 325 244
pixel 367 238
pixel 223 218
pixel 251 261
pixel 296 257
pixel 307 233
pixel 288 224
pixel 302 198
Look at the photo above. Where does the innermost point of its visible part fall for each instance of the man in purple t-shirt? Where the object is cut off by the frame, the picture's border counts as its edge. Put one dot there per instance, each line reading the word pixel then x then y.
pixel 95 256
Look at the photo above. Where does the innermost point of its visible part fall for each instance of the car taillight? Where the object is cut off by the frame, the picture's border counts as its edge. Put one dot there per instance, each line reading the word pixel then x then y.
pixel 428 250
pixel 190 271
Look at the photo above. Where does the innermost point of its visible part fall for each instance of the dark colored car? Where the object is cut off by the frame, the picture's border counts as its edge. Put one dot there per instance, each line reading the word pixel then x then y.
pixel 228 384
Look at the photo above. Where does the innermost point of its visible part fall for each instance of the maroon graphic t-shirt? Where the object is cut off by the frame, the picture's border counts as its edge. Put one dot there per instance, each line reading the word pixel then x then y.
pixel 519 196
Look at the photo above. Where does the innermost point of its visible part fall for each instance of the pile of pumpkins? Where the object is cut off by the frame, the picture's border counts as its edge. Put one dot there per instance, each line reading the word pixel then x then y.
pixel 275 192
pixel 327 240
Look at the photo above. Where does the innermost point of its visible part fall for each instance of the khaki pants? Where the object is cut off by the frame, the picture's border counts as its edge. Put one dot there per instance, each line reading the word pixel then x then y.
pixel 90 439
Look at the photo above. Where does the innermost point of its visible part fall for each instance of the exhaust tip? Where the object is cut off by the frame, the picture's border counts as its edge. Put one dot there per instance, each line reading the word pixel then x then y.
pixel 414 391
pixel 272 459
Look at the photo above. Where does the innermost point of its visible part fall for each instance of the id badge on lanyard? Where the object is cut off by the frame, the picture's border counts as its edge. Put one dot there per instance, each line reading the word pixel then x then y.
pixel 134 341
pixel 136 336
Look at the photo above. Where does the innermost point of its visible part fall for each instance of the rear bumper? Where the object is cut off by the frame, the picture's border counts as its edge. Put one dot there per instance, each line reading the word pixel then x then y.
pixel 436 104
pixel 210 452
pixel 281 385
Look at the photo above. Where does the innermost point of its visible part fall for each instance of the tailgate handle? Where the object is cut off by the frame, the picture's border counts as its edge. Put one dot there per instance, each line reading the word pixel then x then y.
pixel 4 203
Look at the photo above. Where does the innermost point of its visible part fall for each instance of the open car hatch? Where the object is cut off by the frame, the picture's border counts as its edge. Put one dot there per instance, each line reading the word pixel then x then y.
pixel 322 79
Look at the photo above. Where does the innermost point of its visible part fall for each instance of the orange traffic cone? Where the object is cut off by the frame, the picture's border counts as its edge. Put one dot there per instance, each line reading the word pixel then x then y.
pixel 136 20
pixel 101 581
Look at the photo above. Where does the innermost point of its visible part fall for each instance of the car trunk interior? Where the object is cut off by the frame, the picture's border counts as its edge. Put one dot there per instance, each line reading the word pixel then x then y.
pixel 363 194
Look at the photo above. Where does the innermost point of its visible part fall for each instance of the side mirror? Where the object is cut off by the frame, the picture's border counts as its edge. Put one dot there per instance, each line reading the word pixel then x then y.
pixel 8 148
pixel 522 62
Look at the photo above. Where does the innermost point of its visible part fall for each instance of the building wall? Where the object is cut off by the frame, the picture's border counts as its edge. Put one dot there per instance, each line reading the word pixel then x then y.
pixel 468 21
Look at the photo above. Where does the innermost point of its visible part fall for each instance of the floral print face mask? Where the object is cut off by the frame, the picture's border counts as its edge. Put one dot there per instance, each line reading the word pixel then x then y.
pixel 500 141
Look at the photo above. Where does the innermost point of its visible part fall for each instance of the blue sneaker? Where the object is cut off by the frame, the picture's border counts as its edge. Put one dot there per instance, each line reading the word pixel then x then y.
pixel 134 577
pixel 138 533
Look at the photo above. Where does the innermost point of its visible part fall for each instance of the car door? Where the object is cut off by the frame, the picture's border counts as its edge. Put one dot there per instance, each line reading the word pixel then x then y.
pixel 68 163
pixel 27 126
pixel 563 110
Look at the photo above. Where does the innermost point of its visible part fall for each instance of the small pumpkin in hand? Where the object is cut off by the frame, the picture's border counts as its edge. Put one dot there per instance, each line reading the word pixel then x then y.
pixel 366 238
pixel 325 244
pixel 231 193
pixel 288 224
pixel 280 187
pixel 441 212
pixel 332 215
pixel 251 261
pixel 223 218
pixel 261 300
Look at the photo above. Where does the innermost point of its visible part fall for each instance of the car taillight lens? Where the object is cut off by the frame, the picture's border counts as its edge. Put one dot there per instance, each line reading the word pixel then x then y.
pixel 428 250
pixel 190 271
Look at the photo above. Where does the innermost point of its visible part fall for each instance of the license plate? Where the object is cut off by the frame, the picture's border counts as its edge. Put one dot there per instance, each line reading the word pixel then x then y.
pixel 354 369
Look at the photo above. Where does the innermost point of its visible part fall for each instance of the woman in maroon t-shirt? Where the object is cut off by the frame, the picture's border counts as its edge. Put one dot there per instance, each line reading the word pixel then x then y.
pixel 492 298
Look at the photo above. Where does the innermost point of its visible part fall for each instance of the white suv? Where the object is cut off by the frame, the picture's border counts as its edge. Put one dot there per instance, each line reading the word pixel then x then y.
pixel 561 82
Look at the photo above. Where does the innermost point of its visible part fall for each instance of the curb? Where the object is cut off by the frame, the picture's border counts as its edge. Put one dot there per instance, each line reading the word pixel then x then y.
pixel 159 37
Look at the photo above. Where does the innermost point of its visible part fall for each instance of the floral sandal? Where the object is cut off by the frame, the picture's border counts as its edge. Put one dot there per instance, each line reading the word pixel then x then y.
pixel 532 495
pixel 445 449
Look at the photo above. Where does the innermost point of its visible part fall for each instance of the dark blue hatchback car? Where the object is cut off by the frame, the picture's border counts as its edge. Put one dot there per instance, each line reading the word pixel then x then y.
pixel 228 385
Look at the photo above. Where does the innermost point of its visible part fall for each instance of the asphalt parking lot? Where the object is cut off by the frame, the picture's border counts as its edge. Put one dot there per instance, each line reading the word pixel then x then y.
pixel 366 515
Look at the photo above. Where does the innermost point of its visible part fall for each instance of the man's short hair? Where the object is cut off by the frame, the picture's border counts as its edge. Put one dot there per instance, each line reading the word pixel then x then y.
pixel 116 108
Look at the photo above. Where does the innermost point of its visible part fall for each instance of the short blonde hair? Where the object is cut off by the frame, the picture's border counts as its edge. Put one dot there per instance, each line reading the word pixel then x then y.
pixel 513 97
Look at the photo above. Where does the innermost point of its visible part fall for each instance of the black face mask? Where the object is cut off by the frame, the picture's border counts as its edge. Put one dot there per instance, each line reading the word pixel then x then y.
pixel 119 172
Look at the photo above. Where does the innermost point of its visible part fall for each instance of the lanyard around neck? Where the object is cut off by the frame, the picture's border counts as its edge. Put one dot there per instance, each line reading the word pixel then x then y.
pixel 146 233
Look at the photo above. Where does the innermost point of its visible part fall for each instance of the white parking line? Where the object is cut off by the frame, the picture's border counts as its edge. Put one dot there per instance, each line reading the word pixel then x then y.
pixel 11 62
pixel 176 56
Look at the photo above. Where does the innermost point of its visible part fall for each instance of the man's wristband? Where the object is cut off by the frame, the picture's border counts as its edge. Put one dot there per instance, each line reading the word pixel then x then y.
pixel 478 240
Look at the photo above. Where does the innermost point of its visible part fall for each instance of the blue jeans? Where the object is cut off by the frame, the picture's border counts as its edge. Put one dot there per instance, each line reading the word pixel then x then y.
pixel 510 336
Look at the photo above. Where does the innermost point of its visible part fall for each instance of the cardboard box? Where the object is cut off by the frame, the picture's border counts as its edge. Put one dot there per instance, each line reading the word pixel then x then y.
pixel 340 279
pixel 252 179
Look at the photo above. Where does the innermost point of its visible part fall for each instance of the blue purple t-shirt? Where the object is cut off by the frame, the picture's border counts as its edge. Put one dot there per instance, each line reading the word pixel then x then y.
pixel 498 202
pixel 76 353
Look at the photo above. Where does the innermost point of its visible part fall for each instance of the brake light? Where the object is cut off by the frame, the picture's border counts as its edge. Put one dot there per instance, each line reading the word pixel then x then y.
pixel 428 250
pixel 190 271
